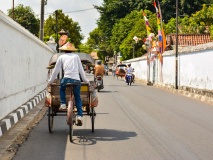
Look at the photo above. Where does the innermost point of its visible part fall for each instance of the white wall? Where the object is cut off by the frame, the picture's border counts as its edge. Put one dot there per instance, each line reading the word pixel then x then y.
pixel 196 70
pixel 23 61
pixel 195 67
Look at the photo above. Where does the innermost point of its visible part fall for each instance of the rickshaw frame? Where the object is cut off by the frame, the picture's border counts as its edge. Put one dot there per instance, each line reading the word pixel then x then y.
pixel 53 97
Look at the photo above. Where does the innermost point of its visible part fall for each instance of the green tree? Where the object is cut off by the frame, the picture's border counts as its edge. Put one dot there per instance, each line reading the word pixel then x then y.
pixel 113 10
pixel 122 28
pixel 25 17
pixel 186 7
pixel 66 23
pixel 110 12
pixel 170 27
pixel 199 22
pixel 139 30
pixel 97 41
pixel 84 48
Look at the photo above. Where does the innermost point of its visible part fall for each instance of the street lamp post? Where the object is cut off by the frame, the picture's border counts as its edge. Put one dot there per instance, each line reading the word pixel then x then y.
pixel 176 55
pixel 56 19
pixel 133 50
pixel 136 40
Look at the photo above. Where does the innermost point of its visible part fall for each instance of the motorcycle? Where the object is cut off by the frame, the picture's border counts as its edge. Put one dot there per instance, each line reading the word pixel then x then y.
pixel 88 71
pixel 129 78
pixel 99 83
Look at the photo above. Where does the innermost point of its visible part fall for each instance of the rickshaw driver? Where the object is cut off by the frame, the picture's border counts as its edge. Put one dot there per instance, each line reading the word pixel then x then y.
pixel 72 66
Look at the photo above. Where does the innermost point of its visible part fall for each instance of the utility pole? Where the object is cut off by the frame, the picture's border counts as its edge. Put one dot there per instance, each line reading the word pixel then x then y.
pixel 42 21
pixel 56 16
pixel 133 50
pixel 176 55
pixel 13 9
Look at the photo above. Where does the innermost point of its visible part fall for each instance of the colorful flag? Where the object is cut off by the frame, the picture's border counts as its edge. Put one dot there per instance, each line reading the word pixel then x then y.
pixel 163 39
pixel 147 27
pixel 159 27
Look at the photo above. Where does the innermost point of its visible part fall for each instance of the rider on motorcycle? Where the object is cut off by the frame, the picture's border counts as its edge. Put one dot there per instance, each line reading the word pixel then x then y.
pixel 130 69
pixel 99 70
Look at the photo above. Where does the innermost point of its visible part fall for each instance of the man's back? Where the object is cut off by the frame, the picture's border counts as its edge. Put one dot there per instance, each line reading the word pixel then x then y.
pixel 99 70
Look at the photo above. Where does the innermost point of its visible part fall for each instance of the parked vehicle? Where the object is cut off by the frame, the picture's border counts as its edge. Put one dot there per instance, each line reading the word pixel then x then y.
pixel 106 69
pixel 99 83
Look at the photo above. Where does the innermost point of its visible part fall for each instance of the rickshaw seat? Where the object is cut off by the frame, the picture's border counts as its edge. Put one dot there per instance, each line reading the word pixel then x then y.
pixel 71 84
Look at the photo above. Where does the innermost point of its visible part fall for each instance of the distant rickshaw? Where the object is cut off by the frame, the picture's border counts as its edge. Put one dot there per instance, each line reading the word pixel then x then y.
pixel 120 70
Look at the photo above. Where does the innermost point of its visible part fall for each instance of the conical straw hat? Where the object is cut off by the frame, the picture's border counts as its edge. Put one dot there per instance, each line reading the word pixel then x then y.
pixel 68 47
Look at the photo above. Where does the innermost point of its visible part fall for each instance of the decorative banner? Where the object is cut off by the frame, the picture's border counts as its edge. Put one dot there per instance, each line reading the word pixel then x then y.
pixel 147 27
pixel 163 40
pixel 159 27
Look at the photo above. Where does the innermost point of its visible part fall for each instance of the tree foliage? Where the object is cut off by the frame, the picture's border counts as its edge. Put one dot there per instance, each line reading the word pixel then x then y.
pixel 198 22
pixel 138 29
pixel 66 23
pixel 97 41
pixel 113 10
pixel 121 20
pixel 110 12
pixel 25 17
pixel 85 48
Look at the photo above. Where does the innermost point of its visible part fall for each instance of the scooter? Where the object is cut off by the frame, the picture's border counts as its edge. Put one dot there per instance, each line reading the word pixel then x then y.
pixel 99 83
pixel 88 71
pixel 129 78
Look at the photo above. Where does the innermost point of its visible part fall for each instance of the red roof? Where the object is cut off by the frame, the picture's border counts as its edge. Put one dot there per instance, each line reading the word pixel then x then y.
pixel 189 39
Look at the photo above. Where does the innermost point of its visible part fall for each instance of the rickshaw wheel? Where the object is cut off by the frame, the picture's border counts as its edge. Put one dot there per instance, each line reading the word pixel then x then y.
pixel 50 119
pixel 93 118
pixel 71 132
pixel 70 118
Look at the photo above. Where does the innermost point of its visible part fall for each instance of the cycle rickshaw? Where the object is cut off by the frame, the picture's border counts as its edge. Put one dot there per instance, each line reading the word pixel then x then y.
pixel 52 100
pixel 120 70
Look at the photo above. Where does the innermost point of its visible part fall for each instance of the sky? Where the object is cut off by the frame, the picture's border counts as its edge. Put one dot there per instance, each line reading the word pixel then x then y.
pixel 86 19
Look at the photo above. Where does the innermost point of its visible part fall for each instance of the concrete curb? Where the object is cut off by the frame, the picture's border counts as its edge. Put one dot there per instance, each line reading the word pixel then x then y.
pixel 199 97
pixel 11 119
pixel 196 96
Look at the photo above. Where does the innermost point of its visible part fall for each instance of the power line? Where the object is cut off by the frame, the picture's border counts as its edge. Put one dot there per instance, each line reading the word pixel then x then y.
pixel 52 4
pixel 18 2
pixel 80 10
pixel 89 8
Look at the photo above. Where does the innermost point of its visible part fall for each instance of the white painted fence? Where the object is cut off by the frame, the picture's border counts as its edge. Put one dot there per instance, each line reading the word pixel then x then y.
pixel 23 61
pixel 195 67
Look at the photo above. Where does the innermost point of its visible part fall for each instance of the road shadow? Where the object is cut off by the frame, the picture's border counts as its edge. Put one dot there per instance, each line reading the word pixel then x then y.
pixel 104 91
pixel 86 137
pixel 102 113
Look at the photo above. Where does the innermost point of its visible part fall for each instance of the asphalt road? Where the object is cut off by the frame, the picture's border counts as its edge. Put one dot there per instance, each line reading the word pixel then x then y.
pixel 135 122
